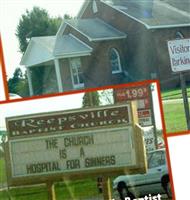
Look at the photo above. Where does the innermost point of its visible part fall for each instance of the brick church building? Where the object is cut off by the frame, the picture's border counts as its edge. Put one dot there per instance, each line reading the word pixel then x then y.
pixel 110 42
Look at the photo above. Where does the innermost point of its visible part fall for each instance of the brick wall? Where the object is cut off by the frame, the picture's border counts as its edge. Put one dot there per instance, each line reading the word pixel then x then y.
pixel 145 51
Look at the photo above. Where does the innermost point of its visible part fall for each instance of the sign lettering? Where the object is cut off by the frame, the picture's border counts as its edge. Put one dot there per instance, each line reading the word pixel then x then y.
pixel 79 142
pixel 64 153
pixel 179 52
pixel 142 95
pixel 75 120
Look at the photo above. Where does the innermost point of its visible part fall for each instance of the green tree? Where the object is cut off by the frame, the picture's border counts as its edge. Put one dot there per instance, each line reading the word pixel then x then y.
pixel 36 22
pixel 91 99
pixel 18 84
pixel 12 82
pixel 22 87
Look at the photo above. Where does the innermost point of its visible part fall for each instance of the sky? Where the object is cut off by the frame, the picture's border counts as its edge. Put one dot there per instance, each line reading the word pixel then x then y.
pixel 39 106
pixel 10 13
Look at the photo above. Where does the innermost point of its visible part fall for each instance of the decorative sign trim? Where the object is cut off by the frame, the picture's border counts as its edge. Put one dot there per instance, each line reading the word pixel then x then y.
pixel 59 122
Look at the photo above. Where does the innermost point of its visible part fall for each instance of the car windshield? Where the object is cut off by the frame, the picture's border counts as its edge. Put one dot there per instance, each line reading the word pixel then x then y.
pixel 156 159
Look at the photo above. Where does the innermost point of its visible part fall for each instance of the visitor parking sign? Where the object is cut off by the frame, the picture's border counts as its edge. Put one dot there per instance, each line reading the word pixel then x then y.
pixel 179 51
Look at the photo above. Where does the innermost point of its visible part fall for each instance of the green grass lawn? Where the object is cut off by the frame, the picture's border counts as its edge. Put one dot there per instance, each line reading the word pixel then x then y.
pixel 174 117
pixel 2 171
pixel 68 190
pixel 174 113
pixel 174 94
pixel 79 189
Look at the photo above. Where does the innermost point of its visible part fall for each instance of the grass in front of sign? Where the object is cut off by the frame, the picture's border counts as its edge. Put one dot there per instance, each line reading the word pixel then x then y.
pixel 32 193
pixel 77 189
pixel 2 172
pixel 174 117
pixel 174 93
pixel 174 113
pixel 80 189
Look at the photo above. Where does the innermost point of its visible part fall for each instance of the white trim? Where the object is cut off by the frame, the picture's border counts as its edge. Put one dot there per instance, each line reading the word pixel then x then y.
pixel 31 91
pixel 94 7
pixel 77 54
pixel 117 72
pixel 118 59
pixel 108 38
pixel 69 55
pixel 79 31
pixel 61 29
pixel 79 85
pixel 81 41
pixel 58 75
pixel 167 26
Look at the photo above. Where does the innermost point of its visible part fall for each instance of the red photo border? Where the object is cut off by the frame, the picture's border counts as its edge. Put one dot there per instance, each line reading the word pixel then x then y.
pixel 134 84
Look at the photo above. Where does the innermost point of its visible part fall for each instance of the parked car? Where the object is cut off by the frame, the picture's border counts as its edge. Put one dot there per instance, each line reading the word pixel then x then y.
pixel 155 181
pixel 14 96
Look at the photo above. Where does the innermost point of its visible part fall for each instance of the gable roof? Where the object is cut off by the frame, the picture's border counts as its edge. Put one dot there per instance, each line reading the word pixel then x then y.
pixel 69 45
pixel 95 29
pixel 47 48
pixel 41 49
pixel 183 5
pixel 151 13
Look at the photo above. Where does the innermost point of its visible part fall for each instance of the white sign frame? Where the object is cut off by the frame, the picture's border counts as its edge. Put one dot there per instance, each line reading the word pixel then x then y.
pixel 113 132
pixel 136 142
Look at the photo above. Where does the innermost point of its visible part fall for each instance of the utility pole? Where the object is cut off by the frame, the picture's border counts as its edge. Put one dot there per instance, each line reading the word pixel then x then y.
pixel 179 66
pixel 185 99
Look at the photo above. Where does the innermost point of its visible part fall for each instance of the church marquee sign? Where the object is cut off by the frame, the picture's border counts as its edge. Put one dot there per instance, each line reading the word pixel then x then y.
pixel 81 142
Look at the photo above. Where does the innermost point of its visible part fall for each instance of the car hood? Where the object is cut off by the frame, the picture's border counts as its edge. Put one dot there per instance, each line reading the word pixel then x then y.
pixel 125 178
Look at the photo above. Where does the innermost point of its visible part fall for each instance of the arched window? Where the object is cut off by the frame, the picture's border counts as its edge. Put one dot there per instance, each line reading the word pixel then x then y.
pixel 76 72
pixel 114 61
pixel 179 35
